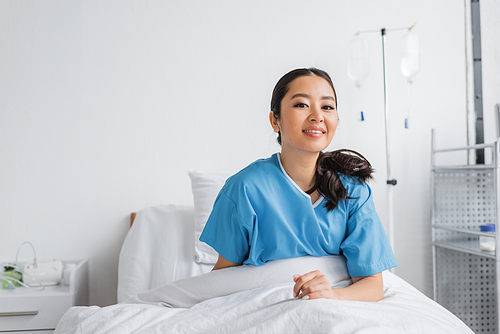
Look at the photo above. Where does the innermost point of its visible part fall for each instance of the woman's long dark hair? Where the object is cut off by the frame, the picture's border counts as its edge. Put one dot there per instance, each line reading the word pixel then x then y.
pixel 328 167
pixel 329 164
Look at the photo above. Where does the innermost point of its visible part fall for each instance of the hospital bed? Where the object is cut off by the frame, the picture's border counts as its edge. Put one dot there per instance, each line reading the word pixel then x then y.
pixel 165 287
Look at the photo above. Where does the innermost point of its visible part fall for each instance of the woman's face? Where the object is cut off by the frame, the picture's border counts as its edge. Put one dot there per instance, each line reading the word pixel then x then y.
pixel 308 115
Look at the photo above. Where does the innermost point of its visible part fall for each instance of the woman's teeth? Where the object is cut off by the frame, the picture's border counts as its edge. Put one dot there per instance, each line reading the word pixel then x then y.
pixel 313 131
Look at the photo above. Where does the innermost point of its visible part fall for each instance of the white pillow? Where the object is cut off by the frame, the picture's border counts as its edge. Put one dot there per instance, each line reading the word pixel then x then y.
pixel 158 249
pixel 205 188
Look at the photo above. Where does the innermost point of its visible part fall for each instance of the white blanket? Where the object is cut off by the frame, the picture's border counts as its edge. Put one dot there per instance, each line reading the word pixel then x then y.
pixel 259 300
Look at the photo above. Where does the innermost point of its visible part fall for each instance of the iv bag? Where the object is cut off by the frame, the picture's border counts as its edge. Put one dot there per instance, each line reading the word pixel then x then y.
pixel 357 66
pixel 410 62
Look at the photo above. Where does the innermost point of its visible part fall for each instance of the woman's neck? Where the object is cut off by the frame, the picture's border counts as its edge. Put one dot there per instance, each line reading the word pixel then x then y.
pixel 300 167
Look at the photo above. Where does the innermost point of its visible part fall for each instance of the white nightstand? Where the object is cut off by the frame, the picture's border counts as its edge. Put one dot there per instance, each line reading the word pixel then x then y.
pixel 27 311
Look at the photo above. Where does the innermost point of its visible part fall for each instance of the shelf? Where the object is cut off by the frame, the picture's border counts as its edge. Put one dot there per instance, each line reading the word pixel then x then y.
pixel 465 231
pixel 462 148
pixel 470 247
pixel 25 310
pixel 78 277
pixel 462 195
pixel 461 167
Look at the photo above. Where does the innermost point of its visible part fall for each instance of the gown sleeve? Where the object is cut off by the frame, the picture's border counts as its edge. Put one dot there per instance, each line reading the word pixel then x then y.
pixel 226 231
pixel 366 246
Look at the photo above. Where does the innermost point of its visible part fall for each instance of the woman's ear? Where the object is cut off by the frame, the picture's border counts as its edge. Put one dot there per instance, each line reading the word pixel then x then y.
pixel 274 122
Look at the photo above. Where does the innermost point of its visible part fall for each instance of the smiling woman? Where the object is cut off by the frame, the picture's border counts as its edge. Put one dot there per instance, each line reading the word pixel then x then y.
pixel 303 116
pixel 303 201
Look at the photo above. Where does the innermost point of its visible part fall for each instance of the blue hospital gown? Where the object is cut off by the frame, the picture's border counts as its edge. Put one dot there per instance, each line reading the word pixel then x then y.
pixel 261 215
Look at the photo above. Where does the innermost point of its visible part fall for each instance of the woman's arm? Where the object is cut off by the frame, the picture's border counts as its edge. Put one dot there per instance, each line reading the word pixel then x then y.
pixel 367 288
pixel 315 285
pixel 223 263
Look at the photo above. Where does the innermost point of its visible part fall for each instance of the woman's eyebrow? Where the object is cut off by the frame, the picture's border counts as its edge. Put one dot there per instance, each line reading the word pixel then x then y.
pixel 300 95
pixel 328 98
pixel 308 97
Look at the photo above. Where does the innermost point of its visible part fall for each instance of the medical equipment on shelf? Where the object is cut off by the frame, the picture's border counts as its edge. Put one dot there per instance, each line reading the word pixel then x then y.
pixel 45 273
pixel 487 243
pixel 11 278
pixel 34 276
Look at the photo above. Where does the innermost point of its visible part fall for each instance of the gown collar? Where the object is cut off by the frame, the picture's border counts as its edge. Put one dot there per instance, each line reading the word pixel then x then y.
pixel 318 201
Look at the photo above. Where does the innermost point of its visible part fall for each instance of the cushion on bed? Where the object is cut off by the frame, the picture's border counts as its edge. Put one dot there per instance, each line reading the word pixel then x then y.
pixel 190 291
pixel 205 187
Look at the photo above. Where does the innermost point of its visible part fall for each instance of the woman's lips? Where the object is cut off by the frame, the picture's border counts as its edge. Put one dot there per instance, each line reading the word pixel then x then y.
pixel 314 132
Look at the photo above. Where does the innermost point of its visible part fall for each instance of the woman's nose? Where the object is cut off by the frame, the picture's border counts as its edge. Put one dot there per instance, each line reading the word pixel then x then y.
pixel 316 115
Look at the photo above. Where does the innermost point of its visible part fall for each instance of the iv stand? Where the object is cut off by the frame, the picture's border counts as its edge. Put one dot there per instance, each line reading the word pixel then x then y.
pixel 391 182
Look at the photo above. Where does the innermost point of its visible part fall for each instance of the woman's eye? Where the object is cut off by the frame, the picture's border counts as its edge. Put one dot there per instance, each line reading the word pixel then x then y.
pixel 328 108
pixel 300 105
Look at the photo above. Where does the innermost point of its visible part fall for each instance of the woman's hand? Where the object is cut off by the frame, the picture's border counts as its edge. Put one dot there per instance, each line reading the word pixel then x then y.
pixel 312 285
pixel 315 285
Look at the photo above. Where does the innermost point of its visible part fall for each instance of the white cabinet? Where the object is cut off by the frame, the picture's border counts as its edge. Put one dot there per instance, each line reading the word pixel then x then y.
pixel 39 312
pixel 463 198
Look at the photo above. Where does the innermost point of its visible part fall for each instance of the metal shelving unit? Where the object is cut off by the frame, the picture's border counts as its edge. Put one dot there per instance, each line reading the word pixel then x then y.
pixel 465 277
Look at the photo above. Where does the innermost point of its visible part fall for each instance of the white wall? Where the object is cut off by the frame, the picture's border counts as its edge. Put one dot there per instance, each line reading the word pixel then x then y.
pixel 104 106
pixel 490 48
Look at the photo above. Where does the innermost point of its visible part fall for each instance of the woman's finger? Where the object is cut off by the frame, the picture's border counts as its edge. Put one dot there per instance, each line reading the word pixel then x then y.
pixel 306 281
pixel 309 276
pixel 316 284
pixel 323 293
pixel 300 280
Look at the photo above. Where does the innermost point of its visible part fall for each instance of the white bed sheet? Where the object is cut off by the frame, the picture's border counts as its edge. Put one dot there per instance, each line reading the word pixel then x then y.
pixel 267 309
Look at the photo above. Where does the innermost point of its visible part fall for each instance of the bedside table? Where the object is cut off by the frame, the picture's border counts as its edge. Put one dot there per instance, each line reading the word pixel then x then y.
pixel 25 310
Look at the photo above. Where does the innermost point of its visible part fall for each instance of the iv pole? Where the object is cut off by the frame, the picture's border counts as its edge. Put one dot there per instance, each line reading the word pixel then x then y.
pixel 391 182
